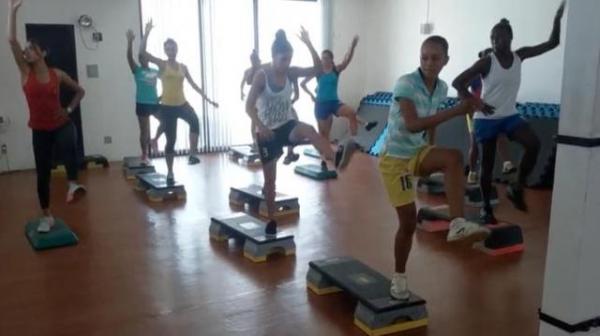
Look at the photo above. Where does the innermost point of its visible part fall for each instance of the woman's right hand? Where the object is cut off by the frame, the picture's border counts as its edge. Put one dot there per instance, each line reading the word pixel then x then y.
pixel 15 4
pixel 148 27
pixel 130 35
pixel 304 36
pixel 265 133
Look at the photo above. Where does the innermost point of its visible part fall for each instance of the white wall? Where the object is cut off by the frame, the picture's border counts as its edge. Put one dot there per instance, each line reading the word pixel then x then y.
pixel 108 108
pixel 391 40
pixel 349 19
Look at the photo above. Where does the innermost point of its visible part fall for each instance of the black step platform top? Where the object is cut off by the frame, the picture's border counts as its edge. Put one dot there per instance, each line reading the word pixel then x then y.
pixel 367 285
pixel 249 227
pixel 315 171
pixel 256 191
pixel 312 152
pixel 134 162
pixel 245 150
pixel 157 181
pixel 443 213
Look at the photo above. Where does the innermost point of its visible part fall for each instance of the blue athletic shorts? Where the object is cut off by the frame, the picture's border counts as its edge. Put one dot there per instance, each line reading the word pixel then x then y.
pixel 324 110
pixel 488 129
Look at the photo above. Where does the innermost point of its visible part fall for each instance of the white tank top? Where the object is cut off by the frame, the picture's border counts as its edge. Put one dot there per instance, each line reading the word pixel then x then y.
pixel 500 88
pixel 275 108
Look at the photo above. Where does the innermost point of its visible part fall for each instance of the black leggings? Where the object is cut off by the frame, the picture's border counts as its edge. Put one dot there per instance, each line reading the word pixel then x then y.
pixel 63 142
pixel 524 136
pixel 168 123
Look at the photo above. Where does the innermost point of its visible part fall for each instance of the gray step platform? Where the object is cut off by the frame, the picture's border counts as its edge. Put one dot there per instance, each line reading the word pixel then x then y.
pixel 60 235
pixel 156 188
pixel 257 246
pixel 505 238
pixel 252 195
pixel 312 152
pixel 244 155
pixel 377 313
pixel 315 172
pixel 132 165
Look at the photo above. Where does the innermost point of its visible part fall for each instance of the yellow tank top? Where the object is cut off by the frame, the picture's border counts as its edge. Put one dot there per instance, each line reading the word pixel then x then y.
pixel 172 86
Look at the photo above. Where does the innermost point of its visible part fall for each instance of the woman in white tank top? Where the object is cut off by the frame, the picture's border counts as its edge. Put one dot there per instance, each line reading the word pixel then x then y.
pixel 269 105
pixel 501 73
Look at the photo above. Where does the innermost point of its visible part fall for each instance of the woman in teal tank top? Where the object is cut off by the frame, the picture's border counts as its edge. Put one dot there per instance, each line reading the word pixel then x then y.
pixel 146 102
pixel 327 102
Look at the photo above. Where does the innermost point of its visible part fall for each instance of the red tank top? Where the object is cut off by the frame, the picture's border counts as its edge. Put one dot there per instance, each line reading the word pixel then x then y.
pixel 44 103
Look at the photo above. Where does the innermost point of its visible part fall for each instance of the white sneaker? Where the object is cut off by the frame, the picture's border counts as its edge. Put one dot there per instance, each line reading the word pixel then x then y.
pixel 75 192
pixel 473 177
pixel 399 289
pixel 508 168
pixel 46 224
pixel 463 230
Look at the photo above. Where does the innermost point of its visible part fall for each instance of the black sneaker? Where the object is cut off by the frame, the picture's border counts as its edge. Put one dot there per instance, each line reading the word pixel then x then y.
pixel 193 160
pixel 515 195
pixel 324 165
pixel 344 154
pixel 370 125
pixel 271 228
pixel 291 158
pixel 170 180
pixel 487 216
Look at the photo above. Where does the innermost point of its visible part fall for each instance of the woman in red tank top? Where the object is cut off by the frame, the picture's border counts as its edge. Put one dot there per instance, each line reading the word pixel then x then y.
pixel 52 129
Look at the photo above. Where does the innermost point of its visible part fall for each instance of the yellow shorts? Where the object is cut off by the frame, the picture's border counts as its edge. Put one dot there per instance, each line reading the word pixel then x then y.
pixel 398 176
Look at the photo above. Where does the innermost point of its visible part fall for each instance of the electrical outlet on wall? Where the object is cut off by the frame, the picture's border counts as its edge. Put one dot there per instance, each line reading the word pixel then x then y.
pixel 107 140
pixel 3 149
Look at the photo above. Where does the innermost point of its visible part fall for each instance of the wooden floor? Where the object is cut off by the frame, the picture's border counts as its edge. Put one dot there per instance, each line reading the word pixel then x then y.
pixel 147 269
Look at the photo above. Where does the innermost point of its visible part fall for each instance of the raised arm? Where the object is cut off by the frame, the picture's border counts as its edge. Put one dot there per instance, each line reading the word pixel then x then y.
pixel 143 45
pixel 72 85
pixel 306 89
pixel 414 124
pixel 15 46
pixel 317 67
pixel 196 87
pixel 349 55
pixel 461 83
pixel 130 60
pixel 553 42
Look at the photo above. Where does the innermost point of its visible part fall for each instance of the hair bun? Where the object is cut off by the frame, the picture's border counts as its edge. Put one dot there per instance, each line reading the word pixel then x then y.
pixel 505 21
pixel 280 35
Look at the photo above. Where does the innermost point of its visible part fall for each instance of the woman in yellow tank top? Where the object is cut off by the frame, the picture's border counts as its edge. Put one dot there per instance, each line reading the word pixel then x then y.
pixel 173 103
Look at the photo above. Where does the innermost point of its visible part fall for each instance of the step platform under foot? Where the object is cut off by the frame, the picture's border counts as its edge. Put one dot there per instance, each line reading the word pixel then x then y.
pixel 257 246
pixel 133 165
pixel 244 155
pixel 60 235
pixel 377 313
pixel 156 188
pixel 315 172
pixel 253 197
pixel 505 238
pixel 312 152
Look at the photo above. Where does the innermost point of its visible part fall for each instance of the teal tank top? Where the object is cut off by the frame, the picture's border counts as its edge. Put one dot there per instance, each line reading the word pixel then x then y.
pixel 327 88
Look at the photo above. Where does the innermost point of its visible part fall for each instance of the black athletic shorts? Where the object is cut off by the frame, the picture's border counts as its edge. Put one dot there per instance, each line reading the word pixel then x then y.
pixel 146 110
pixel 273 149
